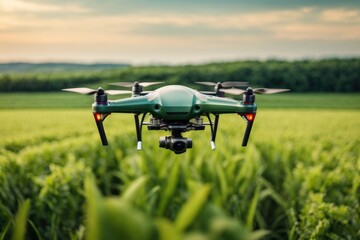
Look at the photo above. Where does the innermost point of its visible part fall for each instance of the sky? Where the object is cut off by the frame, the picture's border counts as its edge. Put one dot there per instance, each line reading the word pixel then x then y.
pixel 177 32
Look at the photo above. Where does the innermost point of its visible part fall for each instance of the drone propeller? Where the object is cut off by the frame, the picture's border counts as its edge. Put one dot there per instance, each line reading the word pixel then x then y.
pixel 130 84
pixel 269 90
pixel 137 87
pixel 225 84
pixel 236 91
pixel 89 91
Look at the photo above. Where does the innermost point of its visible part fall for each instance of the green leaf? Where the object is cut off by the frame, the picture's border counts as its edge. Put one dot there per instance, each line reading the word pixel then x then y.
pixel 170 187
pixel 252 209
pixel 167 230
pixel 120 220
pixel 4 231
pixel 130 194
pixel 222 182
pixel 35 230
pixel 259 234
pixel 19 229
pixel 191 208
pixel 94 208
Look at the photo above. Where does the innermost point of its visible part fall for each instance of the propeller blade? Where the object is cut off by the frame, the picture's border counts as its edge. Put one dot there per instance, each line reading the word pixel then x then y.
pixel 226 84
pixel 207 83
pixel 147 84
pixel 235 84
pixel 81 90
pixel 122 84
pixel 233 91
pixel 269 90
pixel 130 84
pixel 90 91
pixel 208 93
pixel 117 92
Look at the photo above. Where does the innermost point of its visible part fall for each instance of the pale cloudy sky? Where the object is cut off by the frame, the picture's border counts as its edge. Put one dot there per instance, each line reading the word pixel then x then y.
pixel 172 31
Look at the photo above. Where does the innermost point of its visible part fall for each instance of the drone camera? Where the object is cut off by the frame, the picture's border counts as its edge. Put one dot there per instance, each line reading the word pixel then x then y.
pixel 176 144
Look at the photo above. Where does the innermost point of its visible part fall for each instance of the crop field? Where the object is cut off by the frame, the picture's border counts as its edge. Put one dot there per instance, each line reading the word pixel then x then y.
pixel 47 100
pixel 297 179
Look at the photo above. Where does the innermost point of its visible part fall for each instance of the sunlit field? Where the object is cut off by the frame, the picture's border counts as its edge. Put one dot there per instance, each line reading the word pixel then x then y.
pixel 285 100
pixel 298 178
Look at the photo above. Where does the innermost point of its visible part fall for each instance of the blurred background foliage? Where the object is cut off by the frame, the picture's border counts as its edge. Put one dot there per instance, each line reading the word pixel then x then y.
pixel 326 75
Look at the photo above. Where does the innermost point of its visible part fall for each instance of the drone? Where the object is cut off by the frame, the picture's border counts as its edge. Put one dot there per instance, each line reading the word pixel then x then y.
pixel 176 108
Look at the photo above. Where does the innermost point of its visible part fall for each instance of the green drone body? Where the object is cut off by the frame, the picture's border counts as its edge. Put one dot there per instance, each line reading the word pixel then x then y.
pixel 175 108
pixel 174 102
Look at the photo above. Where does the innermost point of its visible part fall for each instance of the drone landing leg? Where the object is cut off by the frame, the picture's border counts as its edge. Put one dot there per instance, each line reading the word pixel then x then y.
pixel 138 131
pixel 247 133
pixel 249 118
pixel 216 123
pixel 213 128
pixel 99 118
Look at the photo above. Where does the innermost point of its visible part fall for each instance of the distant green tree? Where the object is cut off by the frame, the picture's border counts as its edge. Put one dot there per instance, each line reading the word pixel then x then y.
pixel 326 75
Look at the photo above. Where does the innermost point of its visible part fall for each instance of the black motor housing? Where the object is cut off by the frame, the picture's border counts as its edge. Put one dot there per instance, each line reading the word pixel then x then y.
pixel 100 96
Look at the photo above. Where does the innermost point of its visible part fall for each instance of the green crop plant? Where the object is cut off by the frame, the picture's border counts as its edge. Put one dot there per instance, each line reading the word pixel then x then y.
pixel 297 179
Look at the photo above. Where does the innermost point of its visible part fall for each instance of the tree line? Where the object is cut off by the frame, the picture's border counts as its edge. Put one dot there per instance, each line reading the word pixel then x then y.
pixel 325 75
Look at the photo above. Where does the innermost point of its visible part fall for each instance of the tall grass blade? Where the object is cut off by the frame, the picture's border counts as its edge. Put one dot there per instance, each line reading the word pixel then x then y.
pixel 223 185
pixel 5 230
pixel 191 208
pixel 170 187
pixel 19 229
pixel 167 230
pixel 133 190
pixel 35 230
pixel 252 209
pixel 120 220
pixel 259 234
pixel 93 208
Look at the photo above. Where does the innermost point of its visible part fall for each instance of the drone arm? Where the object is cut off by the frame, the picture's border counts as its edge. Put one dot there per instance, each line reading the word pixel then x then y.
pixel 99 118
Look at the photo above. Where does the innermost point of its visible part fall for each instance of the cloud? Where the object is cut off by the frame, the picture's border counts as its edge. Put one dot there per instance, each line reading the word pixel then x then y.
pixel 301 23
pixel 341 15
pixel 315 32
pixel 74 29
pixel 19 6
pixel 198 7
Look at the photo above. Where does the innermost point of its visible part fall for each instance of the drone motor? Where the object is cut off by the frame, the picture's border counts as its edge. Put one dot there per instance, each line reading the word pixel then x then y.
pixel 100 96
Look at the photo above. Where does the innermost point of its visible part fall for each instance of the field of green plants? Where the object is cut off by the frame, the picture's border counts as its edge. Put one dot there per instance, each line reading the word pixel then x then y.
pixel 297 179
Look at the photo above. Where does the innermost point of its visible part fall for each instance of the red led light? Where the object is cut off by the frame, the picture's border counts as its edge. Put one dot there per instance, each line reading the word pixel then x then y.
pixel 250 116
pixel 98 117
